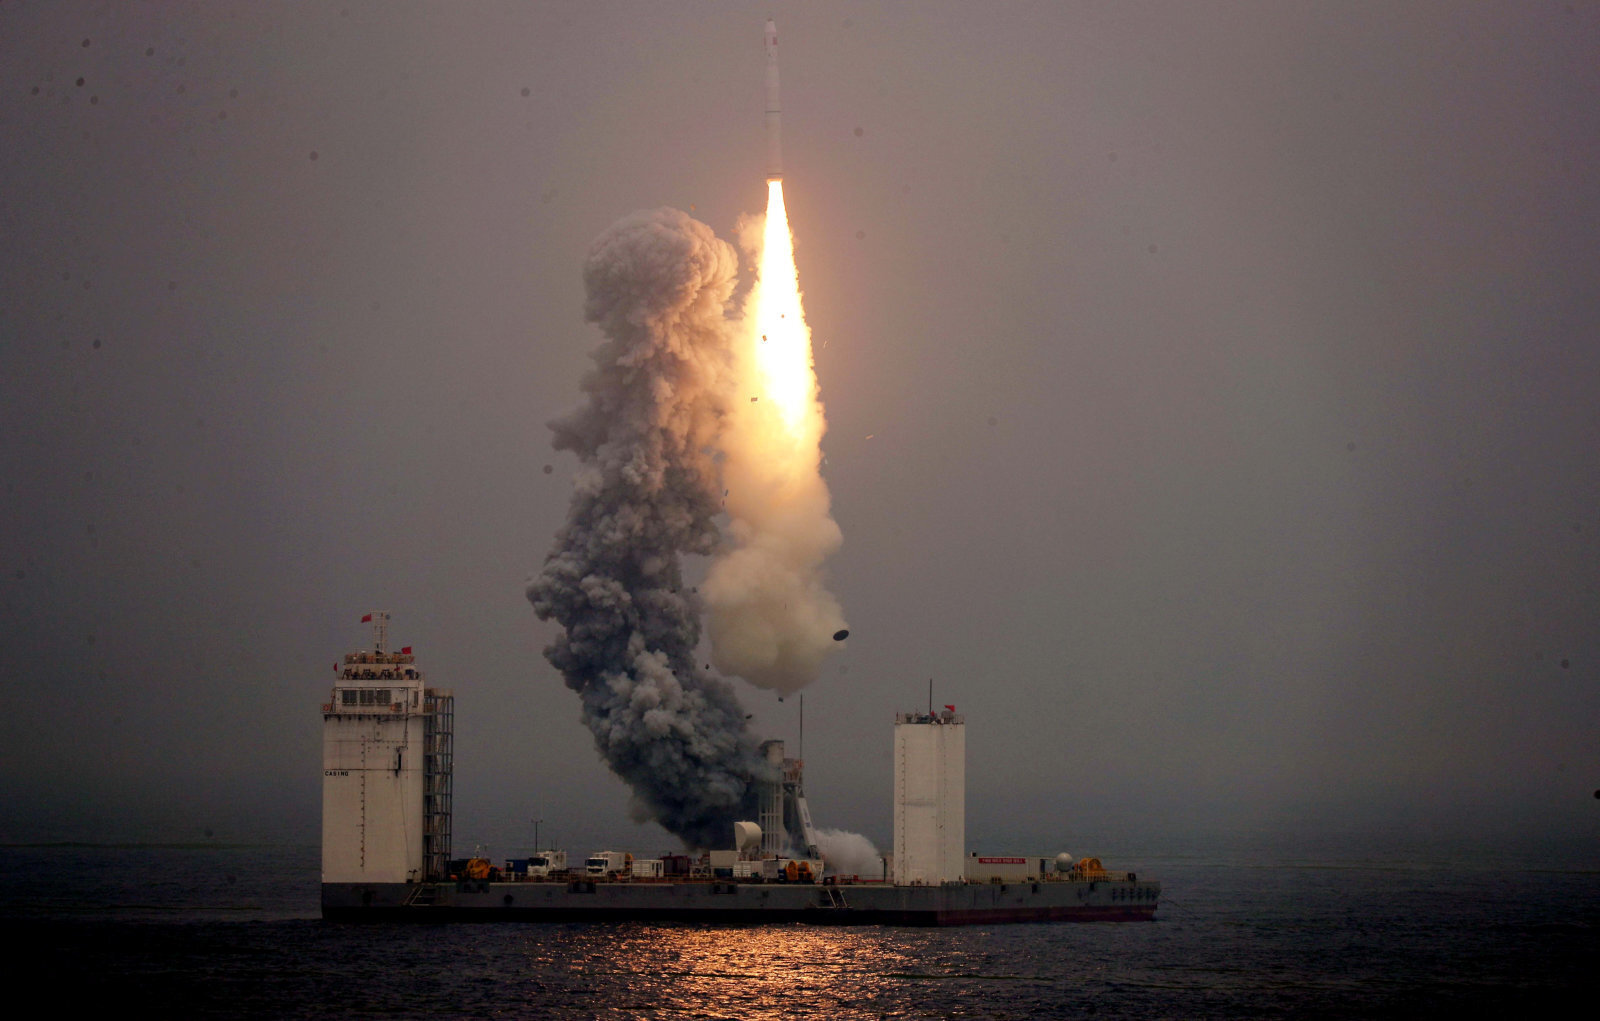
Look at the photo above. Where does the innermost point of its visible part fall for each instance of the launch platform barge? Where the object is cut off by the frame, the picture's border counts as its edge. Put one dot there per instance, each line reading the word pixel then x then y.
pixel 388 749
pixel 1119 899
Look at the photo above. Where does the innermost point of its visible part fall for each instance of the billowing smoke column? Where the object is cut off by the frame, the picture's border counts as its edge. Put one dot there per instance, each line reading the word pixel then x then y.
pixel 674 386
pixel 646 492
pixel 771 619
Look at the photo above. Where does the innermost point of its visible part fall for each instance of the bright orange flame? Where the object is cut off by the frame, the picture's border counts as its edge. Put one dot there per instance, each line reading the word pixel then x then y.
pixel 782 341
pixel 772 619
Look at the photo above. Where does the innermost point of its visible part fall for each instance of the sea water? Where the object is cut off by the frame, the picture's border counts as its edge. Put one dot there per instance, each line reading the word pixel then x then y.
pixel 212 931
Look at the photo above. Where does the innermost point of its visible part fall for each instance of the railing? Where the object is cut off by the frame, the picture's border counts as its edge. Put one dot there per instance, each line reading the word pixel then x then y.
pixel 941 717
pixel 353 658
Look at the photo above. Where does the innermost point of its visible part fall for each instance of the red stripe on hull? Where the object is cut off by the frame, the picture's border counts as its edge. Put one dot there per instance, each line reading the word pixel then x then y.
pixel 999 916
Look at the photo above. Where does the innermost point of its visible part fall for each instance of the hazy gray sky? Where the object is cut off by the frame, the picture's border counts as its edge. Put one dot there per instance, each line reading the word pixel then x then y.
pixel 1212 398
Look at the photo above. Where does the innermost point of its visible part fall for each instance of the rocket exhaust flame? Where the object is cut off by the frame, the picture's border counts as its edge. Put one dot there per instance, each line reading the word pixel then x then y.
pixel 783 354
pixel 771 620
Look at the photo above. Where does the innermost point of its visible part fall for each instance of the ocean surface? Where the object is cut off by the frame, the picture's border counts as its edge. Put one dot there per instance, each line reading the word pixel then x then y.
pixel 234 932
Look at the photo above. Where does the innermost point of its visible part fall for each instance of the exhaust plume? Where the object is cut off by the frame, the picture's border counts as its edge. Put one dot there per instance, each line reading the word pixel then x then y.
pixel 647 492
pixel 850 854
pixel 771 620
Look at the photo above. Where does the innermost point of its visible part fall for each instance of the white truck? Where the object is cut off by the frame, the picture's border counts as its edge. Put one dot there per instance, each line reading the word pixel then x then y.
pixel 545 863
pixel 608 863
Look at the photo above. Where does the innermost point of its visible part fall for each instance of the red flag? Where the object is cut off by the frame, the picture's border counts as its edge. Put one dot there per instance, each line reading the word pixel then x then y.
pixel 406 651
pixel 951 708
pixel 367 619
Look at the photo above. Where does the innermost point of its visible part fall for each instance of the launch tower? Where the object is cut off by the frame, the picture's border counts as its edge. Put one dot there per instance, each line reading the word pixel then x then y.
pixel 783 806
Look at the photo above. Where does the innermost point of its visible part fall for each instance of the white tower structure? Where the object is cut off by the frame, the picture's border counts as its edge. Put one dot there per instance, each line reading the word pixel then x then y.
pixel 785 817
pixel 386 768
pixel 774 835
pixel 930 796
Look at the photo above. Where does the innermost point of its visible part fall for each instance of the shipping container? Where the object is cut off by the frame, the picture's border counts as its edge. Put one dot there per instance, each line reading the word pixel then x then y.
pixel 677 864
pixel 1001 868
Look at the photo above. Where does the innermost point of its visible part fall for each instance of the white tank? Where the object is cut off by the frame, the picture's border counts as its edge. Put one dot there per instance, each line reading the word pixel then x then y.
pixel 746 836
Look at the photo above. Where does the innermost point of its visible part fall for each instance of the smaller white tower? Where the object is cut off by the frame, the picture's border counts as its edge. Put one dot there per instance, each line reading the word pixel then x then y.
pixel 930 797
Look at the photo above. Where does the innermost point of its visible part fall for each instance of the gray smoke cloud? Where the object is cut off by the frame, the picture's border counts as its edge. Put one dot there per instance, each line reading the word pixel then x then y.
pixel 646 492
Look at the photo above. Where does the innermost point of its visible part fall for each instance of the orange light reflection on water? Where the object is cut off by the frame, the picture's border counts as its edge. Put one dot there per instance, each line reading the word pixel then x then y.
pixel 744 972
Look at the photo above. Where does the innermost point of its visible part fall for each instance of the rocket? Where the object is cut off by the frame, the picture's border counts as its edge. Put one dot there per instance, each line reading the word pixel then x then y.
pixel 774 111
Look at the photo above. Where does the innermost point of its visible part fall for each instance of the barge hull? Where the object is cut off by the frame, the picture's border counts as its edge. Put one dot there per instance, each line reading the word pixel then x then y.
pixel 741 903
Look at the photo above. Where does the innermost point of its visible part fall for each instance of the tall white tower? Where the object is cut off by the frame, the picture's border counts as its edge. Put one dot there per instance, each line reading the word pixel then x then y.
pixel 386 768
pixel 930 797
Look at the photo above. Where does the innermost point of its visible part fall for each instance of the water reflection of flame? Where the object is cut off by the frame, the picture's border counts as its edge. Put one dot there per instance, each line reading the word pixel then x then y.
pixel 744 972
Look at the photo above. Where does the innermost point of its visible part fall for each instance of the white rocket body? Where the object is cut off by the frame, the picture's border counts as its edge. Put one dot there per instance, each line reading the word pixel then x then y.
pixel 774 110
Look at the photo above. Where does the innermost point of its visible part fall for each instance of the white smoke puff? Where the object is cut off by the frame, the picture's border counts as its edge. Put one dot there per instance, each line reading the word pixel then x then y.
pixel 647 491
pixel 850 854
pixel 771 619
